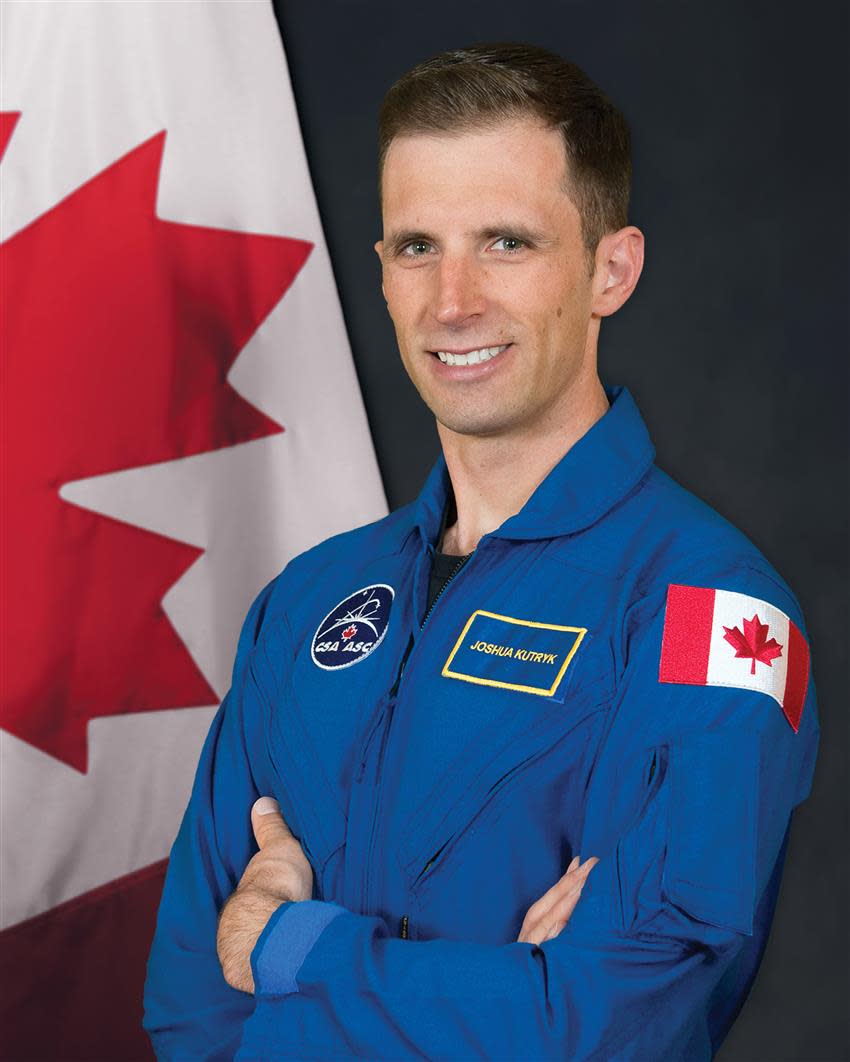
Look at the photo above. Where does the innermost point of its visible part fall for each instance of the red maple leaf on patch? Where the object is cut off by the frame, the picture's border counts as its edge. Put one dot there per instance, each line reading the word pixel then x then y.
pixel 753 643
pixel 349 632
pixel 119 330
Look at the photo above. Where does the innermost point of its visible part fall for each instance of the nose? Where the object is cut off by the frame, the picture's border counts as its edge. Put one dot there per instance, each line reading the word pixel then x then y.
pixel 458 292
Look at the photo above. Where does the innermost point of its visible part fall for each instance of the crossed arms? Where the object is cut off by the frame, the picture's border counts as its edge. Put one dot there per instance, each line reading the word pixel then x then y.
pixel 281 873
pixel 642 959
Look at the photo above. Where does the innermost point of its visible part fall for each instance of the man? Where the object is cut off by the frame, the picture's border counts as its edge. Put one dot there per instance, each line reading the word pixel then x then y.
pixel 554 653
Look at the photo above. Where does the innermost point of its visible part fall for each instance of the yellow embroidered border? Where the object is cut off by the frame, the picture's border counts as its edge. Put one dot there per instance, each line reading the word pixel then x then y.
pixel 448 673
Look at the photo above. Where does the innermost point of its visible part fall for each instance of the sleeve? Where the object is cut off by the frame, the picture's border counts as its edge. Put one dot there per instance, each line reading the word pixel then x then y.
pixel 669 929
pixel 190 1011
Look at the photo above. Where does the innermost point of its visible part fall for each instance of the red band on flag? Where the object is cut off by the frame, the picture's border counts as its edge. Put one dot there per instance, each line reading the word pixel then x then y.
pixel 687 635
pixel 798 676
pixel 104 936
pixel 8 121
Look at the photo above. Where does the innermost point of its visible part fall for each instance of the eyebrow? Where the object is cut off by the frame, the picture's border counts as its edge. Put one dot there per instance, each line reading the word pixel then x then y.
pixel 397 241
pixel 522 232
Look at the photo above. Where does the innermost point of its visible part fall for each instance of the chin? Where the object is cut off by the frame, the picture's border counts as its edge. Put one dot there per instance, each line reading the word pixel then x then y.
pixel 485 424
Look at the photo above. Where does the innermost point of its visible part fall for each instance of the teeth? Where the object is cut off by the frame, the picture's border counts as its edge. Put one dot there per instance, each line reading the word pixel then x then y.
pixel 473 357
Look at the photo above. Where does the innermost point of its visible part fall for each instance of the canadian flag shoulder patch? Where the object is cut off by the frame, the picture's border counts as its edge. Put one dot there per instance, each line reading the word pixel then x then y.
pixel 721 638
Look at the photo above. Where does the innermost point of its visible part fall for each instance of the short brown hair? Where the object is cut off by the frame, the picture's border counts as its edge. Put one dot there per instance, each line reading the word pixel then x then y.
pixel 488 83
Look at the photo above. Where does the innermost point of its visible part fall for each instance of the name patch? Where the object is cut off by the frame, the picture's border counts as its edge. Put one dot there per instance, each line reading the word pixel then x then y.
pixel 353 629
pixel 514 654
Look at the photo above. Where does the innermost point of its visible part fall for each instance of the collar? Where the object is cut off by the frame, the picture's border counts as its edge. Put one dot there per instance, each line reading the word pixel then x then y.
pixel 600 469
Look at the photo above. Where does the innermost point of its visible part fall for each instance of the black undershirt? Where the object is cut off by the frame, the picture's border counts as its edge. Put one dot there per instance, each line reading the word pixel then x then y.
pixel 444 564
pixel 442 568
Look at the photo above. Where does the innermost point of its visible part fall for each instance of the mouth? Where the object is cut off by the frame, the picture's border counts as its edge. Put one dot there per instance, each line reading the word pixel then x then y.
pixel 470 357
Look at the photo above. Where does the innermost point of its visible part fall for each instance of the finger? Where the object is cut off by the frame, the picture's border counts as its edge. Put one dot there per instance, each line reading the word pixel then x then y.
pixel 576 873
pixel 561 911
pixel 548 916
pixel 546 928
pixel 565 891
pixel 551 894
pixel 537 919
pixel 578 876
pixel 568 889
pixel 268 823
pixel 533 936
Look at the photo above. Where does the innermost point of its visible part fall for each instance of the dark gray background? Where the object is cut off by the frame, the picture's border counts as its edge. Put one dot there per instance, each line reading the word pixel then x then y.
pixel 735 345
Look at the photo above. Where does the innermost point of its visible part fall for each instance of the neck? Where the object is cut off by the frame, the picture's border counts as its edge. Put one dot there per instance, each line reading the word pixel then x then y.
pixel 494 476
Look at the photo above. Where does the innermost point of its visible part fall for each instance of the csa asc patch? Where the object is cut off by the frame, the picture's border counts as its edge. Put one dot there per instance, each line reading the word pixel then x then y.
pixel 353 629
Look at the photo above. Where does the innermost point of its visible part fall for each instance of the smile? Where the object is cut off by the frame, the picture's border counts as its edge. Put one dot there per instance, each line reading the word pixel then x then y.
pixel 472 357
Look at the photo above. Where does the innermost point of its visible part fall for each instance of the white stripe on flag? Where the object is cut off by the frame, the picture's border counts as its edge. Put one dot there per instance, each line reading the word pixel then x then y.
pixel 727 669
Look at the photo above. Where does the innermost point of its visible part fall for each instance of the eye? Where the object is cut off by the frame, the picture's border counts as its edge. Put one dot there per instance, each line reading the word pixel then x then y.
pixel 509 244
pixel 416 248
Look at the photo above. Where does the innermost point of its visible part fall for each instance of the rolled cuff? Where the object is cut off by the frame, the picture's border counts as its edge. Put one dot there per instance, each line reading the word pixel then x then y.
pixel 286 942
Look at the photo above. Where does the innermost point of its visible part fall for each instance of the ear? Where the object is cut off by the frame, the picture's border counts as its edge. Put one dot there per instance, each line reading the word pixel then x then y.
pixel 379 251
pixel 619 261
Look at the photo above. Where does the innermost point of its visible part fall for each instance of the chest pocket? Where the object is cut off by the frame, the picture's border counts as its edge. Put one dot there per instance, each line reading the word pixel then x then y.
pixel 537 745
pixel 475 862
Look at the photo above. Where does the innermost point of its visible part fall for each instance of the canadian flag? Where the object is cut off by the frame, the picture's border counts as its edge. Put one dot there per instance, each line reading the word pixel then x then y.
pixel 178 398
pixel 722 638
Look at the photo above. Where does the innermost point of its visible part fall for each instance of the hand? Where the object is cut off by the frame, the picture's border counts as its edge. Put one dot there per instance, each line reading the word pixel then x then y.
pixel 278 872
pixel 547 916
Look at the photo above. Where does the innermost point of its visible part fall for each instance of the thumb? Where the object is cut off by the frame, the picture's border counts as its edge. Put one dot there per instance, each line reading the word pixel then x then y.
pixel 268 823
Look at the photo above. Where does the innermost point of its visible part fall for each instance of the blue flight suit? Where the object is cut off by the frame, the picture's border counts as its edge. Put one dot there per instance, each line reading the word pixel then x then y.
pixel 441 776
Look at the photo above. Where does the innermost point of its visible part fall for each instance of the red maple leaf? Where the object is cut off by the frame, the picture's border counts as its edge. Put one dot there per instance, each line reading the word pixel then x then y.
pixel 349 632
pixel 119 329
pixel 753 643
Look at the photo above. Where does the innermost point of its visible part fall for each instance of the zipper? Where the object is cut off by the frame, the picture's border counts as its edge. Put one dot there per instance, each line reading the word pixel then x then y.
pixel 388 714
pixel 424 871
pixel 443 588
pixel 404 930
pixel 397 682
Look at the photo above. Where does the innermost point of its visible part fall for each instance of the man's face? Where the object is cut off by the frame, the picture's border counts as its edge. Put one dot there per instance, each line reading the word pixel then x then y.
pixel 484 267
